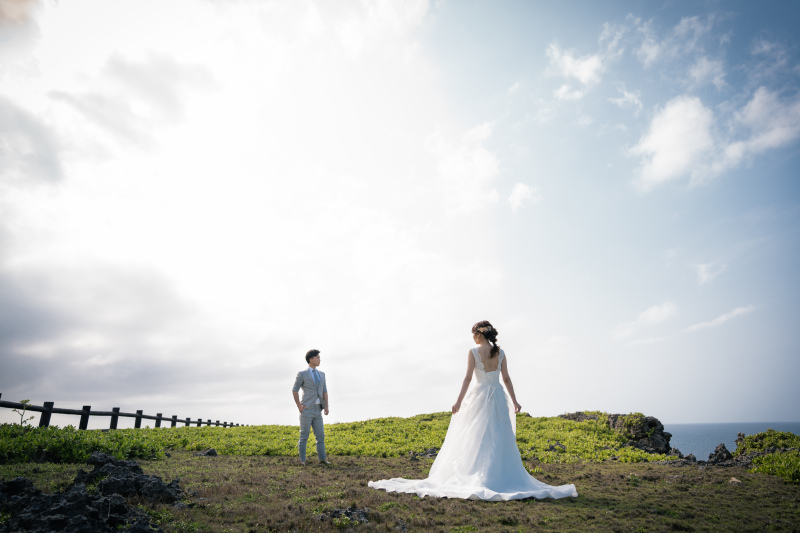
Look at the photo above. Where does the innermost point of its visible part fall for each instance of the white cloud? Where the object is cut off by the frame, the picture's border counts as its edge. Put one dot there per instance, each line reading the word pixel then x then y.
pixel 771 122
pixel 478 133
pixel 612 38
pixel 688 32
pixel 29 151
pixel 649 317
pixel 708 271
pixel 466 170
pixel 224 207
pixel 677 143
pixel 373 24
pixel 705 71
pixel 565 92
pixel 514 88
pixel 584 121
pixel 586 69
pixel 522 194
pixel 681 140
pixel 628 99
pixel 721 319
pixel 649 49
pixel 649 340
pixel 556 345
pixel 684 39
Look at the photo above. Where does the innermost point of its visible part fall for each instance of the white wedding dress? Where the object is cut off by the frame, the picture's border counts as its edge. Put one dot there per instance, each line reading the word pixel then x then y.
pixel 479 459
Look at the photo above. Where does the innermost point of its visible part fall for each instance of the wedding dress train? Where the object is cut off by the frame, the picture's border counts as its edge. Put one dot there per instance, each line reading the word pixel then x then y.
pixel 479 459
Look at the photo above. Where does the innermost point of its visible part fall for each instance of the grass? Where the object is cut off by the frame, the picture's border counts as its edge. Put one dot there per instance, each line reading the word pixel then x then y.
pixel 382 437
pixel 265 493
pixel 256 484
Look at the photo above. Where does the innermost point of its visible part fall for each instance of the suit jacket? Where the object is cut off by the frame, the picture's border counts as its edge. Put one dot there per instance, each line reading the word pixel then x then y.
pixel 311 390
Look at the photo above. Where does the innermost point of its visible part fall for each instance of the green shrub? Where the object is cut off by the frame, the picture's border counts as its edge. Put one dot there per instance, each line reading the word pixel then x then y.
pixel 768 439
pixel 783 464
pixel 21 444
pixel 590 440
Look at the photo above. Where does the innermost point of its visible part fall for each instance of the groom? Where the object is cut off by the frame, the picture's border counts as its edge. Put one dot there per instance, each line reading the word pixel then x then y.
pixel 315 400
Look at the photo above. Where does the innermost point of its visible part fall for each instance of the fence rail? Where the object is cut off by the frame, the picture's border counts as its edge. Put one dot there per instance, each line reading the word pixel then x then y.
pixel 48 409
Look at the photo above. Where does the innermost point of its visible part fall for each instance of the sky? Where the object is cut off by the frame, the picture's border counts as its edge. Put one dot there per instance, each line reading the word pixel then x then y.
pixel 195 193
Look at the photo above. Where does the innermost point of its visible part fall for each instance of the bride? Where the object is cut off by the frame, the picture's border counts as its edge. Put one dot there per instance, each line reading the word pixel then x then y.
pixel 479 459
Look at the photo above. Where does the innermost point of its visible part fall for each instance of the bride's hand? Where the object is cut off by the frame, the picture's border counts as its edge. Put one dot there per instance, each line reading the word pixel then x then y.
pixel 456 407
pixel 517 407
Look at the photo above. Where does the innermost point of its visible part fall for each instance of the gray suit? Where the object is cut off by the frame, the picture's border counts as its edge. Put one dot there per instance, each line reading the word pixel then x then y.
pixel 311 417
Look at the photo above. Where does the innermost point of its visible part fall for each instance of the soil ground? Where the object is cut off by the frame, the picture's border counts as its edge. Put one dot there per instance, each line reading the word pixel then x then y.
pixel 242 494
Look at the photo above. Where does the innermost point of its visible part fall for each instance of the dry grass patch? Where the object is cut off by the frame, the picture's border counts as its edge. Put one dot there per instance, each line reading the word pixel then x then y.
pixel 244 494
pixel 276 494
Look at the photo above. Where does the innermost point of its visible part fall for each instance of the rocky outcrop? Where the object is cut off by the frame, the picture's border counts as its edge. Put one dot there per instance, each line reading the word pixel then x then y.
pixel 353 515
pixel 430 453
pixel 579 416
pixel 211 452
pixel 94 502
pixel 724 458
pixel 720 454
pixel 643 432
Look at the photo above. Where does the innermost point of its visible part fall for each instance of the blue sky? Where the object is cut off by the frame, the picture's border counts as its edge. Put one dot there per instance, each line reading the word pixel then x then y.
pixel 193 195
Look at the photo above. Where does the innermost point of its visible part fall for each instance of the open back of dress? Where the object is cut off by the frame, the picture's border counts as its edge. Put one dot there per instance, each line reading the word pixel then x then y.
pixel 479 459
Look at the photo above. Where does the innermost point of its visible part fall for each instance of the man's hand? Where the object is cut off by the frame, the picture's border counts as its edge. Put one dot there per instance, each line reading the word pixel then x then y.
pixel 326 410
pixel 301 407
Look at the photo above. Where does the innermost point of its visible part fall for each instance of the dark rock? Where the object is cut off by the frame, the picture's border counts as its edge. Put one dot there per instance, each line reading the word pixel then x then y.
pixel 720 454
pixel 644 432
pixel 358 515
pixel 675 452
pixel 77 509
pixel 739 439
pixel 430 453
pixel 211 452
pixel 579 416
pixel 691 458
pixel 557 447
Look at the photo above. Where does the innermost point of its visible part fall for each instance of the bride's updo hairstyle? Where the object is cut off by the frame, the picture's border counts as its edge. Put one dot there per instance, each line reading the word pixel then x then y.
pixel 487 330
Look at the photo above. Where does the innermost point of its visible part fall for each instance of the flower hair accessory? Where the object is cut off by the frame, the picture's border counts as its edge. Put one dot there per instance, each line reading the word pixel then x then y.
pixel 484 329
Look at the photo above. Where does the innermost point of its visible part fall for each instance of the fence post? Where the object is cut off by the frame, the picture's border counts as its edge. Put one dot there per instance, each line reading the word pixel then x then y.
pixel 174 420
pixel 85 417
pixel 158 420
pixel 224 424
pixel 44 420
pixel 114 418
pixel 199 422
pixel 217 424
pixel 188 422
pixel 138 419
pixel 209 422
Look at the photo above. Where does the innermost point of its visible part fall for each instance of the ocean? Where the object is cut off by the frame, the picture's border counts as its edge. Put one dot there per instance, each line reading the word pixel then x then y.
pixel 702 439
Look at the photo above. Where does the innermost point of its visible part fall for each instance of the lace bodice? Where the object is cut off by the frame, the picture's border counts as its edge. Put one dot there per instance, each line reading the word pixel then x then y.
pixel 482 376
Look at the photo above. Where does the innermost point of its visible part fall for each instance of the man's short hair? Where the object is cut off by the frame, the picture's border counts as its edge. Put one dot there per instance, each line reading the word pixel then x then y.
pixel 310 354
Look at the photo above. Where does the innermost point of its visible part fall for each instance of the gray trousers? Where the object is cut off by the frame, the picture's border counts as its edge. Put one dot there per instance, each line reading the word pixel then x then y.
pixel 311 418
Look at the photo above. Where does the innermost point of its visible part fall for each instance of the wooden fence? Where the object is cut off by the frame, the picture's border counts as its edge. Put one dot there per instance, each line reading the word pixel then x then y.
pixel 48 409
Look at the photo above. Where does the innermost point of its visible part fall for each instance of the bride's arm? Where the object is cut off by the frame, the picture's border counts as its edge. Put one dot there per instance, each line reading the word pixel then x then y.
pixel 465 384
pixel 509 385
